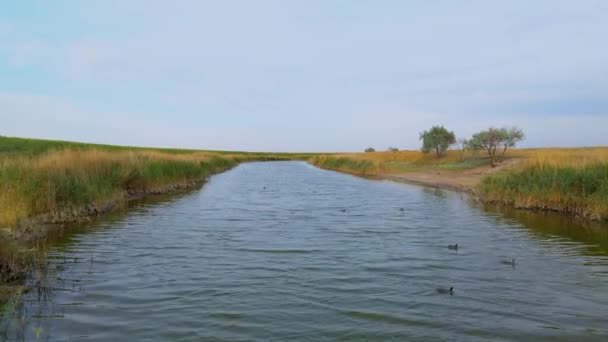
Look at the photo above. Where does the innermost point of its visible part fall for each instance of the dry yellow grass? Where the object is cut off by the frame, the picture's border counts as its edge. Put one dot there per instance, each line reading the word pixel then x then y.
pixel 69 179
pixel 397 161
pixel 576 157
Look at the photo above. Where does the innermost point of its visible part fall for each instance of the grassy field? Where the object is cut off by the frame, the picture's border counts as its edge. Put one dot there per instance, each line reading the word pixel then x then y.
pixel 375 163
pixel 568 180
pixel 56 180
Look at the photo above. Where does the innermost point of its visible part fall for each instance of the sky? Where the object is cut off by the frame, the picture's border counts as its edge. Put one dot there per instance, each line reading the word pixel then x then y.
pixel 309 75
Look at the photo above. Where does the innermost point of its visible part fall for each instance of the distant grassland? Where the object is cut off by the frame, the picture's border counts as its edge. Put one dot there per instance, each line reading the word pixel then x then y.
pixel 10 146
pixel 568 180
pixel 58 181
pixel 375 163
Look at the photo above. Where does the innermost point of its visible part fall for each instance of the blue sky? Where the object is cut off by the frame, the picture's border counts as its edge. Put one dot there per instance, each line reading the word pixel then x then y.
pixel 302 75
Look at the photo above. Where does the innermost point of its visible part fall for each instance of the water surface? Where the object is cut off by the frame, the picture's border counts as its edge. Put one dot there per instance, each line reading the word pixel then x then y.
pixel 285 251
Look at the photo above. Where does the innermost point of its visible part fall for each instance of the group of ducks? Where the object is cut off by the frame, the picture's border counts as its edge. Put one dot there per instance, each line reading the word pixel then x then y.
pixel 451 289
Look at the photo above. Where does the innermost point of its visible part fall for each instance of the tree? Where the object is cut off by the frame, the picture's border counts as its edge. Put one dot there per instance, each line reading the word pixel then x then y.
pixel 437 139
pixel 370 149
pixel 493 138
pixel 392 149
pixel 512 135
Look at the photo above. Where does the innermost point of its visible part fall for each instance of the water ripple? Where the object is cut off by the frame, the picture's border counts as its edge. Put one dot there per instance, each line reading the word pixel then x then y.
pixel 238 262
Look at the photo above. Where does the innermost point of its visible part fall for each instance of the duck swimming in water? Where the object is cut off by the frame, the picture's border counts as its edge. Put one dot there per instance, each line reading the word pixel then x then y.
pixel 445 291
pixel 506 262
pixel 453 246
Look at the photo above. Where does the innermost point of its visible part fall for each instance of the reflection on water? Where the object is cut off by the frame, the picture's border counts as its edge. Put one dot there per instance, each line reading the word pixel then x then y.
pixel 285 251
pixel 552 226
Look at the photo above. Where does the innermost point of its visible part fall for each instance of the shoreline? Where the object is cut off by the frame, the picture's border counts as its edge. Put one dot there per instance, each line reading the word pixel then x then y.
pixel 462 180
pixel 28 233
pixel 466 181
pixel 86 213
pixel 415 179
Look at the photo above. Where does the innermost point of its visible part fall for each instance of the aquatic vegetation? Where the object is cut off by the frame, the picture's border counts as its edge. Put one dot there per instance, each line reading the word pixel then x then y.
pixel 64 180
pixel 580 190
pixel 70 179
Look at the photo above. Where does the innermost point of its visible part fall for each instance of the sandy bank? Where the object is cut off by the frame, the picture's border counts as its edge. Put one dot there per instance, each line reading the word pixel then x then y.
pixel 462 180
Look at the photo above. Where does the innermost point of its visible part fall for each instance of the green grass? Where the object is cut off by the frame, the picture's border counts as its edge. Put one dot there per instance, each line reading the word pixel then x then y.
pixel 363 167
pixel 12 146
pixel 578 190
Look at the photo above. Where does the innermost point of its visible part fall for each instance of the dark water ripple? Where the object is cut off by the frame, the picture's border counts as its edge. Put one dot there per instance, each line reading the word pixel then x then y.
pixel 237 262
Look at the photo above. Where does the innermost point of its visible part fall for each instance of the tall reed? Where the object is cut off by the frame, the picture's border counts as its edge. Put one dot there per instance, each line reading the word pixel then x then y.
pixel 574 183
pixel 69 179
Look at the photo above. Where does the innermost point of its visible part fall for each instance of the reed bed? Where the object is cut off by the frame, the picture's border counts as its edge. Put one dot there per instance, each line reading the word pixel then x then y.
pixel 572 181
pixel 70 179
pixel 46 177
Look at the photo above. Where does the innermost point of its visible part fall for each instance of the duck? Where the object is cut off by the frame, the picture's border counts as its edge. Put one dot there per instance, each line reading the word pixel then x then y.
pixel 445 291
pixel 507 262
pixel 343 210
pixel 453 246
pixel 401 209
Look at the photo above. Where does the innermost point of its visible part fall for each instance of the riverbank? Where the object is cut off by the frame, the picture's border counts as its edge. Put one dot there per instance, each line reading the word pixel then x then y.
pixel 225 263
pixel 413 167
pixel 573 182
pixel 459 179
pixel 48 183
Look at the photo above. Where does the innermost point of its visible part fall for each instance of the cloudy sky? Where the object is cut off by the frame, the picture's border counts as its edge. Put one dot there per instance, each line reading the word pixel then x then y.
pixel 302 75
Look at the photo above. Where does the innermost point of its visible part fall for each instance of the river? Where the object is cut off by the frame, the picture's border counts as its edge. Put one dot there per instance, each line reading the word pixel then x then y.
pixel 283 251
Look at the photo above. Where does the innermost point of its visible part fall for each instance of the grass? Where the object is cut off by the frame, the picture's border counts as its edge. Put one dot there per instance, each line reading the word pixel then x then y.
pixel 396 162
pixel 568 180
pixel 11 146
pixel 572 181
pixel 52 178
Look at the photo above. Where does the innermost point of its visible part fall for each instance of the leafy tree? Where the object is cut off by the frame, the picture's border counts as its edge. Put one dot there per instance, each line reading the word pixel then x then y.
pixel 513 135
pixel 437 139
pixel 392 149
pixel 493 138
pixel 370 149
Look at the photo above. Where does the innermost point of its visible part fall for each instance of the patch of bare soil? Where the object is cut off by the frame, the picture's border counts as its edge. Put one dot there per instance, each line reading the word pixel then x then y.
pixel 462 180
